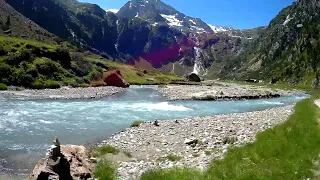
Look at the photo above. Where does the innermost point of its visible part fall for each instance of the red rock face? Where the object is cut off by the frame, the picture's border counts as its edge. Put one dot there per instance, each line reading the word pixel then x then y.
pixel 115 79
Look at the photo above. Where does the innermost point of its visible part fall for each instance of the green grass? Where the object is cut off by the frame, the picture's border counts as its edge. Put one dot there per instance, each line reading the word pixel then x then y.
pixel 196 155
pixel 136 123
pixel 103 150
pixel 287 151
pixel 135 76
pixel 105 170
pixel 3 87
pixel 172 157
pixel 173 174
pixel 208 153
pixel 39 65
pixel 9 43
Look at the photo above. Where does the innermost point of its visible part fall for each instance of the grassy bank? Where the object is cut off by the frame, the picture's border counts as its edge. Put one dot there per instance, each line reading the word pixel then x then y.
pixel 37 65
pixel 288 151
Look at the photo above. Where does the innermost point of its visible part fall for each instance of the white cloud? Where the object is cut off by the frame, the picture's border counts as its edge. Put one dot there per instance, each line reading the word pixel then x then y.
pixel 112 10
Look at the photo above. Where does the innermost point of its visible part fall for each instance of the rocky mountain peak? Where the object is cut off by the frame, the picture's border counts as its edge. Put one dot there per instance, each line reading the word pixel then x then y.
pixel 158 13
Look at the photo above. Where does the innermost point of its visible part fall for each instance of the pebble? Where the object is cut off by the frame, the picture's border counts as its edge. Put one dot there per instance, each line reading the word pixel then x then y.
pixel 173 138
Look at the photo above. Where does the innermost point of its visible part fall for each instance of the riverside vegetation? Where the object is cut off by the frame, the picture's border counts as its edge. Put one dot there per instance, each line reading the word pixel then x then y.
pixel 39 65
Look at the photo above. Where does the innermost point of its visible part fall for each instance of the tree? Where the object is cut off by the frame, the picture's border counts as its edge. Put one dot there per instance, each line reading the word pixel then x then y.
pixel 7 25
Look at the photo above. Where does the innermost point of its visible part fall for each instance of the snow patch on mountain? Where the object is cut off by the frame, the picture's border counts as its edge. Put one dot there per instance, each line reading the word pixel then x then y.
pixel 112 10
pixel 288 19
pixel 218 29
pixel 193 21
pixel 172 20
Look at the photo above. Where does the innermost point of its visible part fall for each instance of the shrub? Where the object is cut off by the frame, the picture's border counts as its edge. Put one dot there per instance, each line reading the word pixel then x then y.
pixel 229 140
pixel 208 153
pixel 63 56
pixel 2 51
pixel 136 123
pixel 128 154
pixel 98 84
pixel 196 155
pixel 80 65
pixel 38 85
pixel 172 157
pixel 77 85
pixel 95 75
pixel 105 170
pixel 47 67
pixel 5 70
pixel 3 87
pixel 20 78
pixel 103 150
pixel 50 84
pixel 17 58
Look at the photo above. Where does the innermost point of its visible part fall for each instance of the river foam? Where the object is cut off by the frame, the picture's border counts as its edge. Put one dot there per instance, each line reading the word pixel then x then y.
pixel 163 106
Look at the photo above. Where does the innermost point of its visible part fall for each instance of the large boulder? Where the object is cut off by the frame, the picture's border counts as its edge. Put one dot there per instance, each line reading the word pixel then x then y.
pixel 67 162
pixel 116 79
pixel 194 77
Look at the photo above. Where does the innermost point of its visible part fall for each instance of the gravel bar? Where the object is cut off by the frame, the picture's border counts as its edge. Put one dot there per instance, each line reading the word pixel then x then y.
pixel 222 91
pixel 197 140
pixel 64 93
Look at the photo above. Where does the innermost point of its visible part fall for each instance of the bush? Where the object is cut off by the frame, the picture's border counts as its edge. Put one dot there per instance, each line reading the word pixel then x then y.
pixel 77 85
pixel 38 85
pixel 17 58
pixel 229 140
pixel 20 78
pixel 105 170
pixel 5 70
pixel 98 84
pixel 47 67
pixel 50 84
pixel 128 154
pixel 3 87
pixel 208 153
pixel 2 51
pixel 80 66
pixel 136 123
pixel 63 56
pixel 172 157
pixel 103 150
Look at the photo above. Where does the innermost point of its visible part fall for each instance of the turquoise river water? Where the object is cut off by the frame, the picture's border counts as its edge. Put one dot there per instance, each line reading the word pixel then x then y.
pixel 27 127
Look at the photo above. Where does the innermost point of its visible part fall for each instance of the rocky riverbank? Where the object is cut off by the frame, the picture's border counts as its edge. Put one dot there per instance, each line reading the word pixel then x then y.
pixel 191 142
pixel 221 91
pixel 63 93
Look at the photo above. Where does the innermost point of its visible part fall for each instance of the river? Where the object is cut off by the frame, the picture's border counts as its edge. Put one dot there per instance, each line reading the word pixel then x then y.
pixel 27 127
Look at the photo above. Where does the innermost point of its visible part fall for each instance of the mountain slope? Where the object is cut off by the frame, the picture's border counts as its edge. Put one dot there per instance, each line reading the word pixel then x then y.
pixel 287 50
pixel 83 23
pixel 15 24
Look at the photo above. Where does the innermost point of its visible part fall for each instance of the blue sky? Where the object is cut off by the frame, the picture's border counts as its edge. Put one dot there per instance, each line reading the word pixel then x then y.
pixel 239 14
